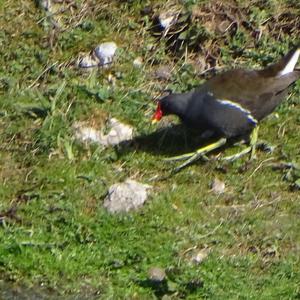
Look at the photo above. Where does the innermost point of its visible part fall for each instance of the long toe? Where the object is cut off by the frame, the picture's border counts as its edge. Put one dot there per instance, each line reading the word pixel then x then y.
pixel 180 157
pixel 189 161
pixel 237 155
pixel 200 153
pixel 266 147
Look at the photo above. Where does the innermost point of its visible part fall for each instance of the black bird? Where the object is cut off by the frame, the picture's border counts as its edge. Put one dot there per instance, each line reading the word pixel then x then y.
pixel 232 103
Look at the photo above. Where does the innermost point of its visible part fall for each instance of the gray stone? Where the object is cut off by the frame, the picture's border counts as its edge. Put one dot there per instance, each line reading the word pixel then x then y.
pixel 88 62
pixel 126 196
pixel 101 56
pixel 156 274
pixel 105 52
pixel 163 73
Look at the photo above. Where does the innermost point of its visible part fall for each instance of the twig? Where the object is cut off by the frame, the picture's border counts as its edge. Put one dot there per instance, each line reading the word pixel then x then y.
pixel 43 73
pixel 259 166
pixel 211 232
pixel 262 204
pixel 189 249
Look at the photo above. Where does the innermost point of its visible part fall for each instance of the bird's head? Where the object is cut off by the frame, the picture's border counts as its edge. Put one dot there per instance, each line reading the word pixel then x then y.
pixel 163 109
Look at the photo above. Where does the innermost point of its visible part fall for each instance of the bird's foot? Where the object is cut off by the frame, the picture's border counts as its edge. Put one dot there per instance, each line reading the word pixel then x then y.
pixel 250 149
pixel 189 161
pixel 239 154
pixel 193 156
pixel 266 147
pixel 180 157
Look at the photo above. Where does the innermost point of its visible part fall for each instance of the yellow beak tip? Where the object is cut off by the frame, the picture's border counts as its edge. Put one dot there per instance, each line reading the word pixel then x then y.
pixel 154 121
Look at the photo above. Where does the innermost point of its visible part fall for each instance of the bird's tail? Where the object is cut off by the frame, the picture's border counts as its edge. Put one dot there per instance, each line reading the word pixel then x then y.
pixel 285 65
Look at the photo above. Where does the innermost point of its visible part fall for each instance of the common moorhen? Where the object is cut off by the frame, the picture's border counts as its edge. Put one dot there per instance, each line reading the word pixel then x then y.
pixel 232 103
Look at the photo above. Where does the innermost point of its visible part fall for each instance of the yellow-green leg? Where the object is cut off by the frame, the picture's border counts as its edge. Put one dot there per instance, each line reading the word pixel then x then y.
pixel 193 156
pixel 250 149
pixel 253 142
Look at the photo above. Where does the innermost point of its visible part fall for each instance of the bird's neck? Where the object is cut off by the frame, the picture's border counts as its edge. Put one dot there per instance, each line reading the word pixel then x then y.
pixel 179 104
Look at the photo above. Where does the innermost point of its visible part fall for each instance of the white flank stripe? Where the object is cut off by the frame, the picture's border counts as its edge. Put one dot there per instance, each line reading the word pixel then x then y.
pixel 291 64
pixel 240 108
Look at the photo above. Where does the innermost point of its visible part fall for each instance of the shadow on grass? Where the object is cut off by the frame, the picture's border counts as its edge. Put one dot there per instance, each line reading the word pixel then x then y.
pixel 165 288
pixel 159 288
pixel 171 141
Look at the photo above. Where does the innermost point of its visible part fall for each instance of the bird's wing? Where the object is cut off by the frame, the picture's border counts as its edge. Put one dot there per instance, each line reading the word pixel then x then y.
pixel 274 93
pixel 227 117
pixel 253 92
pixel 279 83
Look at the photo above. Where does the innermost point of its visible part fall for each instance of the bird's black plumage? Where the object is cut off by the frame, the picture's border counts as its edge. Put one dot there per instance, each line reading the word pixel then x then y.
pixel 232 103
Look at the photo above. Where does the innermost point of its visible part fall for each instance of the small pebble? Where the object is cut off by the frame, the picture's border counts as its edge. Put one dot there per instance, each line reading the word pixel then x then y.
pixel 102 55
pixel 200 256
pixel 111 79
pixel 88 62
pixel 45 4
pixel 105 52
pixel 218 186
pixel 167 19
pixel 163 73
pixel 156 274
pixel 138 62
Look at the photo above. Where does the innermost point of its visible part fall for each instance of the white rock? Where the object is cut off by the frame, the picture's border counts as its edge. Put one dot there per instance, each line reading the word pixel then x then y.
pixel 167 19
pixel 85 133
pixel 45 4
pixel 105 52
pixel 118 132
pixel 200 256
pixel 218 186
pixel 126 196
pixel 102 55
pixel 138 62
pixel 88 62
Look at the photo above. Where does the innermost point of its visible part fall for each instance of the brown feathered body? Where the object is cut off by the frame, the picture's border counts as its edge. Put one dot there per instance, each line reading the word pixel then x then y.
pixel 233 102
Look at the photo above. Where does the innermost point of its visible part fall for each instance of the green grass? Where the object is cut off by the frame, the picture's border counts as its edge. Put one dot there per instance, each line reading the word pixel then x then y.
pixel 57 241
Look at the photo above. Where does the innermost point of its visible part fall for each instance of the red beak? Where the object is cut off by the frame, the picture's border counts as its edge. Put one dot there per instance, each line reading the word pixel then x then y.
pixel 157 115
